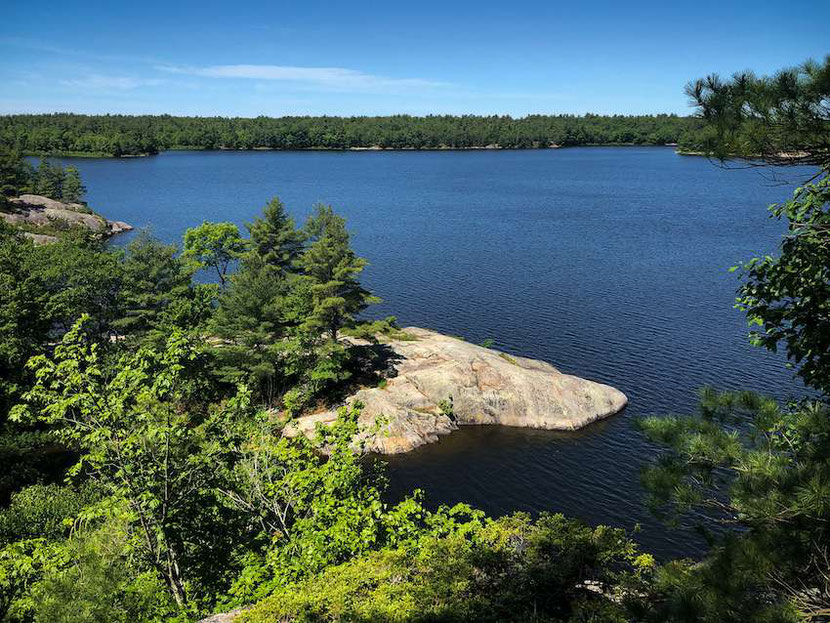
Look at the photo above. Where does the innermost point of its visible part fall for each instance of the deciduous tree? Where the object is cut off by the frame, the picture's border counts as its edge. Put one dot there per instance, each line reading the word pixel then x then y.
pixel 214 246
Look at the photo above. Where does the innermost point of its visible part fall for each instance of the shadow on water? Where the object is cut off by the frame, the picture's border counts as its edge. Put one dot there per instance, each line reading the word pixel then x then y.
pixel 502 469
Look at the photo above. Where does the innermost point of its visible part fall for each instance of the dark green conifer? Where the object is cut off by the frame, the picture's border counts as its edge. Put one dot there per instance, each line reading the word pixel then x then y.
pixel 274 237
pixel 334 270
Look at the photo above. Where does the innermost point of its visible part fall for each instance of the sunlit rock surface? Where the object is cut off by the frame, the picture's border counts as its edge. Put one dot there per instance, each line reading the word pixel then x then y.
pixel 486 387
pixel 39 211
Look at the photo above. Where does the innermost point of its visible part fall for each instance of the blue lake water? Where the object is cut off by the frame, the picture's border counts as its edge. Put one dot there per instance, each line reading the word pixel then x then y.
pixel 610 263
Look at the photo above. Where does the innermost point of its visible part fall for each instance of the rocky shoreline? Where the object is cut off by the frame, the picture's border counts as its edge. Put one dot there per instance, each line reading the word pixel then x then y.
pixel 435 383
pixel 40 216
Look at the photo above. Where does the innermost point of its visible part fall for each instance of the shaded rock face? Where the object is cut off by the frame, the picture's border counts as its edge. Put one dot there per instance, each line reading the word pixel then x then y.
pixel 486 387
pixel 39 211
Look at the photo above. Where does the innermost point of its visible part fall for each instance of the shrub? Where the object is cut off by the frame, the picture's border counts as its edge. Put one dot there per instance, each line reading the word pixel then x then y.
pixel 41 511
pixel 510 569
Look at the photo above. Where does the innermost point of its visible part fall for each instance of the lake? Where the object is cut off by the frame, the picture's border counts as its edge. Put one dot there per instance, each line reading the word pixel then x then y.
pixel 610 263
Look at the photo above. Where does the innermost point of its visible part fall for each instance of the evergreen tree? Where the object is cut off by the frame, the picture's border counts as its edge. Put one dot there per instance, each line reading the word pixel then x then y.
pixel 333 268
pixel 783 119
pixel 15 174
pixel 745 461
pixel 274 237
pixel 72 189
pixel 49 180
pixel 250 321
pixel 154 278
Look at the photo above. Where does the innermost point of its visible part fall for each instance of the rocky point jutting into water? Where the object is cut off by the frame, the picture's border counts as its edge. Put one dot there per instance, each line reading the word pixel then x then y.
pixel 37 214
pixel 429 371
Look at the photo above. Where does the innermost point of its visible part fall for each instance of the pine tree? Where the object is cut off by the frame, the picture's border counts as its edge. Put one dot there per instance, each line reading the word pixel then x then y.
pixel 334 269
pixel 781 119
pixel 15 174
pixel 154 277
pixel 72 189
pixel 275 238
pixel 49 180
pixel 250 321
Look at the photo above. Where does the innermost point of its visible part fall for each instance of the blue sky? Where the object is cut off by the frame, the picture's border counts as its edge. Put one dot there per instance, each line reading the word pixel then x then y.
pixel 277 58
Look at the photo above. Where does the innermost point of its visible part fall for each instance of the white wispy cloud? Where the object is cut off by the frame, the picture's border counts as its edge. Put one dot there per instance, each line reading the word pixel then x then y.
pixel 120 83
pixel 337 78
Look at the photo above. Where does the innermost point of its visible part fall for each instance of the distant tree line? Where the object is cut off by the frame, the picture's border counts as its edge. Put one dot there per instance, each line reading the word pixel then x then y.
pixel 119 135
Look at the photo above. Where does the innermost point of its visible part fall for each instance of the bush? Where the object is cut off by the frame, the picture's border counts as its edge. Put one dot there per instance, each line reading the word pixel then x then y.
pixel 100 584
pixel 41 511
pixel 511 569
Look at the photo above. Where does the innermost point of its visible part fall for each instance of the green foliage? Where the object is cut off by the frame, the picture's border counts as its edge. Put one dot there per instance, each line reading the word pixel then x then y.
pixel 145 435
pixel 788 296
pixel 118 135
pixel 16 174
pixel 22 565
pixel 88 577
pixel 49 180
pixel 333 269
pixel 508 358
pixel 17 177
pixel 214 246
pixel 446 408
pixel 275 239
pixel 379 329
pixel 273 315
pixel 278 319
pixel 154 280
pixel 42 511
pixel 31 532
pixel 746 462
pixel 24 321
pixel 100 583
pixel 312 511
pixel 510 569
pixel 251 323
pixel 72 189
pixel 81 276
pixel 783 119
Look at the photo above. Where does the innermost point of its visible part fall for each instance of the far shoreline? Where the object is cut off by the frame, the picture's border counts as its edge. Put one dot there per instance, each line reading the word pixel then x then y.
pixel 373 149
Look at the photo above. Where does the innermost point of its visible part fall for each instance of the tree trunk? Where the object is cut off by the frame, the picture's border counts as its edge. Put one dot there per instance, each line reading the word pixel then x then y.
pixel 173 578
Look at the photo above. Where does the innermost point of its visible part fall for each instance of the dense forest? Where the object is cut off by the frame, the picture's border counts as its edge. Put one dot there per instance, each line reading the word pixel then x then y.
pixel 145 476
pixel 118 135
